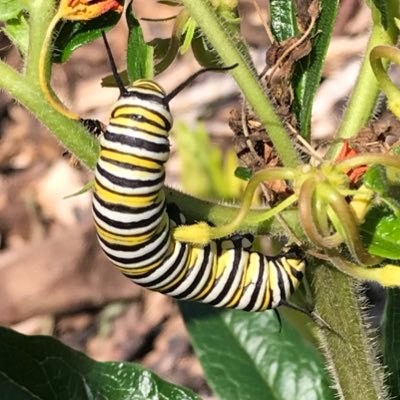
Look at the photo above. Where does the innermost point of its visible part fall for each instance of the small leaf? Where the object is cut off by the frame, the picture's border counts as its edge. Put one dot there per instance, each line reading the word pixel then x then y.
pixel 309 70
pixel 12 8
pixel 375 179
pixel 17 30
pixel 385 182
pixel 139 55
pixel 307 73
pixel 243 173
pixel 381 233
pixel 382 7
pixel 88 186
pixel 40 367
pixel 283 19
pixel 165 51
pixel 203 172
pixel 247 356
pixel 205 54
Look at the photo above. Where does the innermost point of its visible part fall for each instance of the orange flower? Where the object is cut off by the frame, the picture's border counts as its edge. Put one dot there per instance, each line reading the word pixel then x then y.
pixel 83 10
pixel 346 152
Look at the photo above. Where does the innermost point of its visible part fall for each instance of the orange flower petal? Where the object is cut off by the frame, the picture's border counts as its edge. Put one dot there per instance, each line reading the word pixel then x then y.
pixel 83 10
pixel 347 152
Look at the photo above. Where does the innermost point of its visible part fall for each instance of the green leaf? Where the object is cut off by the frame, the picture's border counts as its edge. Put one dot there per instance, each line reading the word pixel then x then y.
pixel 308 71
pixel 381 233
pixel 385 182
pixel 382 7
pixel 375 179
pixel 283 19
pixel 10 9
pixel 204 53
pixel 139 55
pixel 203 171
pixel 17 30
pixel 165 51
pixel 246 356
pixel 391 341
pixel 307 75
pixel 40 367
pixel 243 173
pixel 74 34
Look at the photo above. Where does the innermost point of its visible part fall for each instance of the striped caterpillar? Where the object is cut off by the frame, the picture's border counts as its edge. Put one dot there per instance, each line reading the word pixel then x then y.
pixel 134 224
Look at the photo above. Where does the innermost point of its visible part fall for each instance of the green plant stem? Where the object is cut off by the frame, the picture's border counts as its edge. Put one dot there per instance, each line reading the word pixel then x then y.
pixel 71 133
pixel 366 90
pixel 40 13
pixel 391 344
pixel 350 353
pixel 391 91
pixel 200 210
pixel 228 48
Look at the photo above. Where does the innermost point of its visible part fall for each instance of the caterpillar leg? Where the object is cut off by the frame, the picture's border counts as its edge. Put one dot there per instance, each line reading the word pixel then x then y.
pixel 319 321
pixel 93 126
pixel 278 317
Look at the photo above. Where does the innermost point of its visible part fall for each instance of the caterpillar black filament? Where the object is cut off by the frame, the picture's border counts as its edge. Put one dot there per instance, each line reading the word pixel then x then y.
pixel 134 224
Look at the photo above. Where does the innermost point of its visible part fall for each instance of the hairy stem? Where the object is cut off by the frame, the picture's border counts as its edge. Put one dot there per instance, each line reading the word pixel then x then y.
pixel 366 90
pixel 228 48
pixel 40 13
pixel 71 133
pixel 350 353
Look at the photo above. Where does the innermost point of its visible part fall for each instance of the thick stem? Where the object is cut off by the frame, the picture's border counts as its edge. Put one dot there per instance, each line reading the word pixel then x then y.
pixel 350 354
pixel 348 350
pixel 71 133
pixel 228 48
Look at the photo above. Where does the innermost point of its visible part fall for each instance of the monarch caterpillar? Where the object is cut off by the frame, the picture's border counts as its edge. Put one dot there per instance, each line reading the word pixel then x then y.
pixel 134 223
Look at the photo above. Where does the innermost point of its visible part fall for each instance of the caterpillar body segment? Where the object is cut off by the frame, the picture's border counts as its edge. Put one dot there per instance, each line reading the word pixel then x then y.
pixel 134 224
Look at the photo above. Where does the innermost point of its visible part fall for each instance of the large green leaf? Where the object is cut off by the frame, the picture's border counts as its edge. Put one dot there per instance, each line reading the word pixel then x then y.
pixel 245 356
pixel 40 367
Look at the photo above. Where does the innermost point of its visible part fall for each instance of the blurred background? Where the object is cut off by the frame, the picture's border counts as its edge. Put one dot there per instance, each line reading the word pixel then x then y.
pixel 54 279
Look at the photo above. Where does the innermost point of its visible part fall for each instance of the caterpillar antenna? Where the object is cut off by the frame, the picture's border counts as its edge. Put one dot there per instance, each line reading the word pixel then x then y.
pixel 118 80
pixel 191 78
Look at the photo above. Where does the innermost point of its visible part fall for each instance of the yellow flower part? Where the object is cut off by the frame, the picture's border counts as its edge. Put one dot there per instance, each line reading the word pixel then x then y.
pixel 84 10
